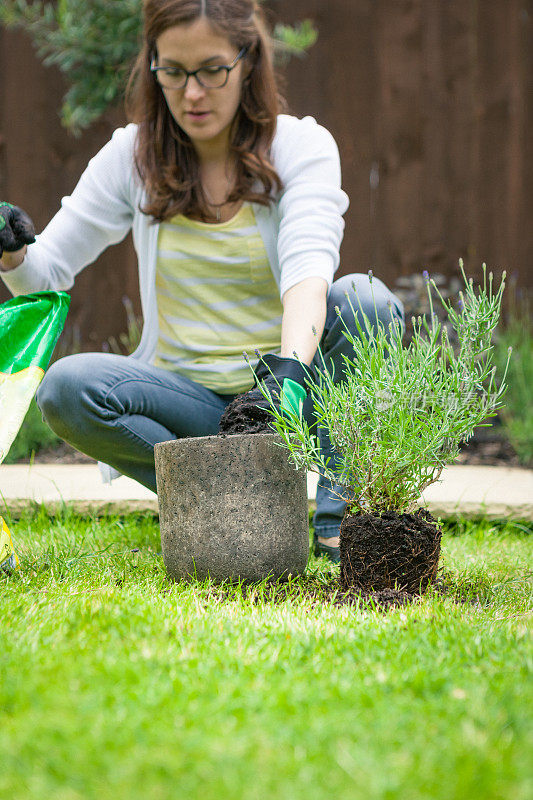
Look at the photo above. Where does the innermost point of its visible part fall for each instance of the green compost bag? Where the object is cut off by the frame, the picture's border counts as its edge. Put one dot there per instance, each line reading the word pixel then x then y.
pixel 9 560
pixel 29 329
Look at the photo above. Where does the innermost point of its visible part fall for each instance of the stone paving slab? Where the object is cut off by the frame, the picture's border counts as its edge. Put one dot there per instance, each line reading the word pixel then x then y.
pixel 77 485
pixel 491 492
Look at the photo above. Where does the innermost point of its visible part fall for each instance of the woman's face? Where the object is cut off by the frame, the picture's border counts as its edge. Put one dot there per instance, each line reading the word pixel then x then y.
pixel 204 114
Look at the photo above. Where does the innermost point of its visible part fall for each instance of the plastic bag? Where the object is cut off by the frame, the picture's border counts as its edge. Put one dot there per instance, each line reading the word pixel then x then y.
pixel 30 326
pixel 8 558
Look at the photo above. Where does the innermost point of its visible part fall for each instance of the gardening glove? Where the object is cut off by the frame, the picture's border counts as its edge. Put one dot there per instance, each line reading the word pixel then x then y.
pixel 16 228
pixel 285 379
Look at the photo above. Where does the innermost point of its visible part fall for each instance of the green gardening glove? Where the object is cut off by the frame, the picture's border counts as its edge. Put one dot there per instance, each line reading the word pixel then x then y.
pixel 286 380
pixel 16 228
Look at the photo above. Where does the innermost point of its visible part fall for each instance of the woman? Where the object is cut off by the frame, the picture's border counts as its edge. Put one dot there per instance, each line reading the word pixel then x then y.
pixel 236 212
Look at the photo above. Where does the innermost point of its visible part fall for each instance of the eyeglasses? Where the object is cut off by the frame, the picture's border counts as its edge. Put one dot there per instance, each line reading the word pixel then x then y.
pixel 214 77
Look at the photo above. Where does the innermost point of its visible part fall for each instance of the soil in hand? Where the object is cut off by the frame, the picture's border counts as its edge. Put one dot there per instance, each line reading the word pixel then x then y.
pixel 240 416
pixel 391 551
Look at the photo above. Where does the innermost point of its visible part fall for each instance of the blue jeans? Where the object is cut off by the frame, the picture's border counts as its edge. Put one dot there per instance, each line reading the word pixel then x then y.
pixel 115 409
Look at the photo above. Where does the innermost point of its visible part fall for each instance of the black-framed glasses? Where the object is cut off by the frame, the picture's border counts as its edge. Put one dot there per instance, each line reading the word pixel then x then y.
pixel 212 77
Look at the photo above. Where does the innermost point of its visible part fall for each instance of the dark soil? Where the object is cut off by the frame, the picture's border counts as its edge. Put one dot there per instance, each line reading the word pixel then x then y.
pixel 62 454
pixel 241 417
pixel 495 452
pixel 391 551
pixel 316 593
pixel 488 446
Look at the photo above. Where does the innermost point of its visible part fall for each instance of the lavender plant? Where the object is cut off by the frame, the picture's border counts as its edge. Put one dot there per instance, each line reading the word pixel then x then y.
pixel 400 413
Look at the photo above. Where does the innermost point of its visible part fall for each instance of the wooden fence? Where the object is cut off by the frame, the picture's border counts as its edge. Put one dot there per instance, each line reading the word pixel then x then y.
pixel 430 101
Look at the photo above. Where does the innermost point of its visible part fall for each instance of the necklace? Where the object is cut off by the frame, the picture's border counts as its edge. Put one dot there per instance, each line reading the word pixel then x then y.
pixel 218 206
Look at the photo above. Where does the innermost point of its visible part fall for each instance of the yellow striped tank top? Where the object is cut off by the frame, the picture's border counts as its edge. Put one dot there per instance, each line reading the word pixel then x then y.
pixel 216 297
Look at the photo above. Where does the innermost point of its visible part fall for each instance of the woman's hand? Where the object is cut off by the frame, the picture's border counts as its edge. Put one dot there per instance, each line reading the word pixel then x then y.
pixel 16 232
pixel 287 382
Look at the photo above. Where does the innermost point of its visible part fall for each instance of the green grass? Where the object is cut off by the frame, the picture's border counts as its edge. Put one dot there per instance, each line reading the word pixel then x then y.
pixel 115 683
pixel 517 414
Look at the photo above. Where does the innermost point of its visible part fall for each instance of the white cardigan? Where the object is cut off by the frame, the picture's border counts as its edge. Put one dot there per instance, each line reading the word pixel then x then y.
pixel 302 230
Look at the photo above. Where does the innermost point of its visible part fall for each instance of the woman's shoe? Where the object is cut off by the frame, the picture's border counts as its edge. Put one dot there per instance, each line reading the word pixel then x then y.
pixel 333 554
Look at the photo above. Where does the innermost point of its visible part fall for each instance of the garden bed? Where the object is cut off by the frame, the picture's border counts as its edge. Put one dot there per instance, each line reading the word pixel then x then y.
pixel 487 448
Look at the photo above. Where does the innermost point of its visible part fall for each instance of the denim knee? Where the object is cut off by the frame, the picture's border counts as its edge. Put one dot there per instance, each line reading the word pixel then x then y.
pixel 372 296
pixel 57 397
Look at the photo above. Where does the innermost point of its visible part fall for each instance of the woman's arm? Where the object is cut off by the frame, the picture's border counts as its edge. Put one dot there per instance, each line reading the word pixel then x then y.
pixel 312 203
pixel 304 306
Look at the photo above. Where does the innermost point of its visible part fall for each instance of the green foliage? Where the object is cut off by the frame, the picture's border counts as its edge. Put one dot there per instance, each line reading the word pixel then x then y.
pixel 34 435
pixel 294 41
pixel 94 43
pixel 400 413
pixel 517 415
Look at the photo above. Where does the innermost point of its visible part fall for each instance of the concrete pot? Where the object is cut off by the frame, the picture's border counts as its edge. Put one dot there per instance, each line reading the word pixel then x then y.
pixel 231 507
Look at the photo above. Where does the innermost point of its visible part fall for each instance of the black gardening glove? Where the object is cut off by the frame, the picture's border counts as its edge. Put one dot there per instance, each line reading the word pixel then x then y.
pixel 285 379
pixel 16 228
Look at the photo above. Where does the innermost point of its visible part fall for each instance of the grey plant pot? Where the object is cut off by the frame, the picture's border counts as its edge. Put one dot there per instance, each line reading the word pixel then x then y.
pixel 231 507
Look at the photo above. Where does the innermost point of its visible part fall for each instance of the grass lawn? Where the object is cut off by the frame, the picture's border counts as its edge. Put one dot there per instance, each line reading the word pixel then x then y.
pixel 115 683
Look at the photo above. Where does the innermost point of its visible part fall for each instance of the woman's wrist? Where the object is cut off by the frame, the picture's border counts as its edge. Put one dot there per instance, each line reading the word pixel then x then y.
pixel 11 261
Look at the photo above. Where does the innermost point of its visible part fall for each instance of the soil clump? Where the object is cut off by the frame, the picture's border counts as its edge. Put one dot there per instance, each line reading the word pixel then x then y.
pixel 389 552
pixel 242 417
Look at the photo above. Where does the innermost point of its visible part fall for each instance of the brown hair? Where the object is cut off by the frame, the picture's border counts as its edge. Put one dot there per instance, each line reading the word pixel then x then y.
pixel 164 155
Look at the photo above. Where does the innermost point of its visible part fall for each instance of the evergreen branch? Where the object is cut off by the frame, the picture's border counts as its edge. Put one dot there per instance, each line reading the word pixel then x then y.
pixel 94 44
